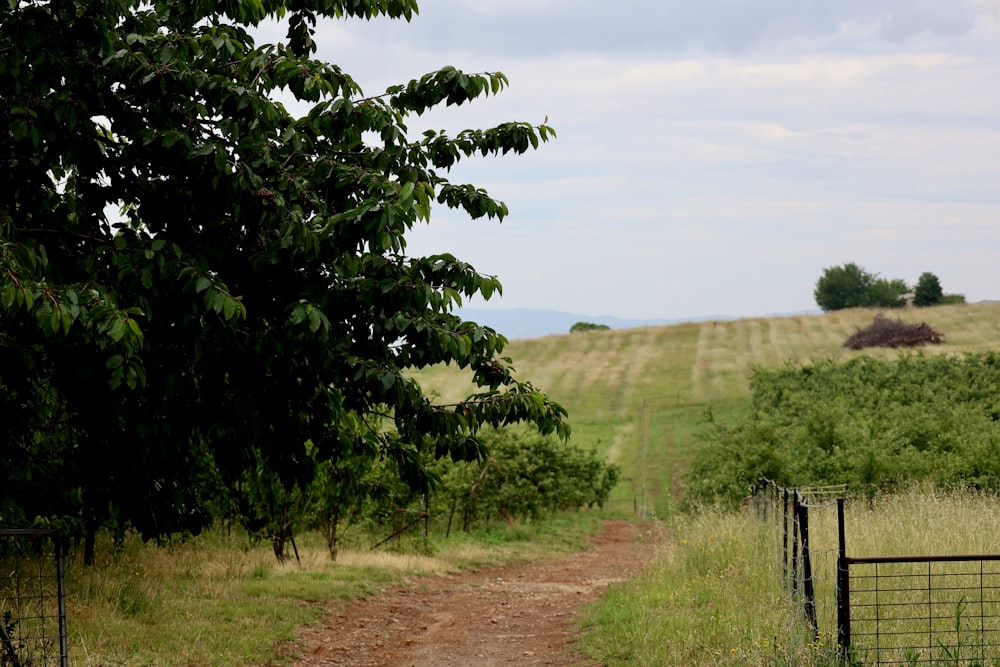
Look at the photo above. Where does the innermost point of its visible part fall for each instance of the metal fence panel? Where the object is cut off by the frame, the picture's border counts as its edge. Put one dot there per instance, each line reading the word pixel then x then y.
pixel 893 610
pixel 924 609
pixel 32 600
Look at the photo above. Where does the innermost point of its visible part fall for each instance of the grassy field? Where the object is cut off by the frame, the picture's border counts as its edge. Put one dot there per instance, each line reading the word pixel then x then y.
pixel 221 601
pixel 641 396
pixel 685 372
pixel 716 597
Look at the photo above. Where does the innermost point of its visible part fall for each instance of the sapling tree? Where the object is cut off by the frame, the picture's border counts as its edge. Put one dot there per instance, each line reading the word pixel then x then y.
pixel 195 283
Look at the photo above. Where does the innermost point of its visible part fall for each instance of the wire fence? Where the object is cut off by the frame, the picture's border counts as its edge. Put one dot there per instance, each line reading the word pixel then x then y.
pixel 32 600
pixel 808 565
pixel 913 610
pixel 883 610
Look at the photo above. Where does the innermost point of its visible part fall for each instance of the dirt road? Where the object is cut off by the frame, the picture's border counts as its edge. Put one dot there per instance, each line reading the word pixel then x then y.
pixel 517 615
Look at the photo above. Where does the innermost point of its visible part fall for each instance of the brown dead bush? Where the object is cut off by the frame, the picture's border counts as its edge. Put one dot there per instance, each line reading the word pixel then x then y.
pixel 887 332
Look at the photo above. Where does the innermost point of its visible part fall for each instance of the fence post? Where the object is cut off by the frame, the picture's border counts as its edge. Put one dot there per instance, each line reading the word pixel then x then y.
pixel 807 583
pixel 784 537
pixel 643 472
pixel 795 542
pixel 843 587
pixel 60 547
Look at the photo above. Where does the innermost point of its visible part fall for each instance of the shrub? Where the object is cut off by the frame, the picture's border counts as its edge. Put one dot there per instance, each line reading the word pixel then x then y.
pixel 887 332
pixel 526 476
pixel 588 326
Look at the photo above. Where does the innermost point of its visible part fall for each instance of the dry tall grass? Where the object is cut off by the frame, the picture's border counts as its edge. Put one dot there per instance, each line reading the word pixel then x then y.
pixel 686 371
pixel 718 595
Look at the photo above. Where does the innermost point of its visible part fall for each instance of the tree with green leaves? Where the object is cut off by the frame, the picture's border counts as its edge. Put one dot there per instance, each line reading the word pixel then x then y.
pixel 851 286
pixel 197 285
pixel 844 286
pixel 927 291
pixel 886 293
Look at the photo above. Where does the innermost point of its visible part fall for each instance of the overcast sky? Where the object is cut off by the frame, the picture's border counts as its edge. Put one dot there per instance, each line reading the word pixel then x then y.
pixel 713 157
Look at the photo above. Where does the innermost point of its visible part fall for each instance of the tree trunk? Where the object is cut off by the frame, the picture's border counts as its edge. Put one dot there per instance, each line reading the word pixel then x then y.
pixel 89 540
pixel 330 524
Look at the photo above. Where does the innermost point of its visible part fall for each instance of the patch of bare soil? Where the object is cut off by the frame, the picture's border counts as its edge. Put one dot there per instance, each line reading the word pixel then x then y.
pixel 516 615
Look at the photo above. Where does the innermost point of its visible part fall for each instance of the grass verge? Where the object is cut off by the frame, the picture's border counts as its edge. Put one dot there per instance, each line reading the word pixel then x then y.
pixel 219 600
pixel 716 595
pixel 714 598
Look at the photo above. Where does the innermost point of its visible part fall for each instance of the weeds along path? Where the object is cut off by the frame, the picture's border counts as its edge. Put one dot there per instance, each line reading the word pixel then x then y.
pixel 516 615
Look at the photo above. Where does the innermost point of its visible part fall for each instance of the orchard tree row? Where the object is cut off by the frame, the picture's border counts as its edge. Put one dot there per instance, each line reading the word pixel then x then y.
pixel 201 292
pixel 525 477
pixel 851 286
pixel 867 423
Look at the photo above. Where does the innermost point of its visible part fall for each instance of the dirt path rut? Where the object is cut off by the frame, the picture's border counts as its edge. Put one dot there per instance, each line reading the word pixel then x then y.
pixel 516 615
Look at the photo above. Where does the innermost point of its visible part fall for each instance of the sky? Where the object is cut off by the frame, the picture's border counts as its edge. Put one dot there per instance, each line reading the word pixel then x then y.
pixel 712 157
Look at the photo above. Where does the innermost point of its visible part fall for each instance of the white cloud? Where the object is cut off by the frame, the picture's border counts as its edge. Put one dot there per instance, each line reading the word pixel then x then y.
pixel 714 157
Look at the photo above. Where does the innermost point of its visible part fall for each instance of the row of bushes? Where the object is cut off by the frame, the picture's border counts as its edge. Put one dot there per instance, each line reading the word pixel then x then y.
pixel 524 476
pixel 867 423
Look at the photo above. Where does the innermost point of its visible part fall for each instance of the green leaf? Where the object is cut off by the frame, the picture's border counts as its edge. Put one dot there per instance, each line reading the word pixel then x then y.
pixel 117 329
pixel 215 301
pixel 134 326
pixel 314 320
pixel 8 296
pixel 406 193
pixel 388 379
pixel 202 284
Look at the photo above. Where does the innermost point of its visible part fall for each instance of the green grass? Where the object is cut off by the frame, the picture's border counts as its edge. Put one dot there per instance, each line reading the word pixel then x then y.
pixel 717 597
pixel 686 372
pixel 714 598
pixel 691 609
pixel 220 601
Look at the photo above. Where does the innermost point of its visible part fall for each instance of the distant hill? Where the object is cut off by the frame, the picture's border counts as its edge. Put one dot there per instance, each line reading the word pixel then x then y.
pixel 676 376
pixel 528 323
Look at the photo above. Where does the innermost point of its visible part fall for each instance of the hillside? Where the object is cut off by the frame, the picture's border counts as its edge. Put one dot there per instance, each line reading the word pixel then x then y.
pixel 533 323
pixel 519 323
pixel 683 372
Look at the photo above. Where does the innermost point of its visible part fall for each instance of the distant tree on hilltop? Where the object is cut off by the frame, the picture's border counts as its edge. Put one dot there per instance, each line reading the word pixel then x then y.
pixel 927 291
pixel 851 286
pixel 588 326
